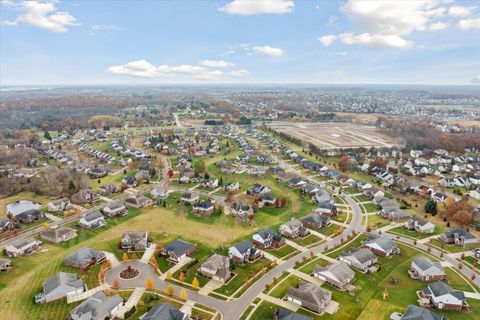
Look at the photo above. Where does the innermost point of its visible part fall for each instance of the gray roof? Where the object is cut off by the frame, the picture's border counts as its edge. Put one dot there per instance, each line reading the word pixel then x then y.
pixel 178 247
pixel 93 216
pixel 83 254
pixel 164 311
pixel 284 314
pixel 425 264
pixel 61 281
pixel 439 288
pixel 218 263
pixel 243 246
pixel 97 307
pixel 310 293
pixel 23 242
pixel 339 269
pixel 417 313
pixel 362 255
pixel 383 242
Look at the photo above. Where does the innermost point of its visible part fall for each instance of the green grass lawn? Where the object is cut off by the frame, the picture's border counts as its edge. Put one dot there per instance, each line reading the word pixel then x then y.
pixel 361 198
pixel 308 268
pixel 264 311
pixel 308 240
pixel 281 289
pixel 283 251
pixel 370 207
pixel 448 247
pixel 375 221
pixel 409 233
pixel 242 273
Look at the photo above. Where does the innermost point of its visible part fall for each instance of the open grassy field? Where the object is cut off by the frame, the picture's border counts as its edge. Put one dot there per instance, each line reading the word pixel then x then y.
pixel 43 200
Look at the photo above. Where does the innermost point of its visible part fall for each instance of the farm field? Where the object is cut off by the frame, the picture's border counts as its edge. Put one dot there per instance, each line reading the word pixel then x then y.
pixel 332 136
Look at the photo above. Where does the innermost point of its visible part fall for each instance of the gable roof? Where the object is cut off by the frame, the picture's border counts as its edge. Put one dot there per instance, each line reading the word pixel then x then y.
pixel 417 313
pixel 164 311
pixel 98 306
pixel 243 246
pixel 311 293
pixel 440 288
pixel 178 247
pixel 83 254
pixel 338 270
pixel 61 279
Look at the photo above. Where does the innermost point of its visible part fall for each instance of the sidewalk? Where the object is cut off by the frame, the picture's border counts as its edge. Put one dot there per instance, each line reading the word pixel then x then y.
pixel 176 267
pixel 112 258
pixel 148 253
pixel 282 303
pixel 306 277
pixel 210 286
pixel 132 301
pixel 271 257
pixel 295 245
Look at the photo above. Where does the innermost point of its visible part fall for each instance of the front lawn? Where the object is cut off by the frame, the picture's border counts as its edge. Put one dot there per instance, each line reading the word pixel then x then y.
pixel 409 233
pixel 283 251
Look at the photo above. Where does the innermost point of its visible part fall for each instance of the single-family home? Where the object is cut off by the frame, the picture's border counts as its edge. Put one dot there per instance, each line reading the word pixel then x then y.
pixel 243 251
pixel 294 229
pixel 267 239
pixel 296 182
pixel 309 296
pixel 59 205
pixel 417 313
pixel 393 214
pixel 440 295
pixel 99 306
pixel 189 197
pixel 203 208
pixel 58 235
pixel 138 202
pixel 337 274
pixel 115 210
pixel 29 216
pixel 92 220
pixel 60 285
pixel 217 267
pixel 5 264
pixel 178 250
pixel 84 258
pixel 316 220
pixel 164 311
pixel 22 247
pixel 134 240
pixel 382 245
pixel 425 270
pixel 459 237
pixel 258 190
pixel 241 210
pixel 284 314
pixel 419 225
pixel 267 200
pixel 15 208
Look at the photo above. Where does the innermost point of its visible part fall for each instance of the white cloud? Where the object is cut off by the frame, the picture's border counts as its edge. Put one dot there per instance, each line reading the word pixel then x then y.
pixel 144 69
pixel 216 64
pixel 342 53
pixel 41 14
pixel 375 40
pixel 268 51
pixel 328 39
pixel 438 26
pixel 460 11
pixel 476 79
pixel 97 28
pixel 251 7
pixel 468 24
pixel 238 73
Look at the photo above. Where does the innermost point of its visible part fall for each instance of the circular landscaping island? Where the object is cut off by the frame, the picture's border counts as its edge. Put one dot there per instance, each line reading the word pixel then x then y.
pixel 129 273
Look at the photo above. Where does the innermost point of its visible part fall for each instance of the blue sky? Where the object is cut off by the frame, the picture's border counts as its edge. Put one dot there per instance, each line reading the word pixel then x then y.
pixel 240 41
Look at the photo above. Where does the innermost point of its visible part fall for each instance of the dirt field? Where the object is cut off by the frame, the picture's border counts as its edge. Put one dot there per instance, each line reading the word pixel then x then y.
pixel 334 135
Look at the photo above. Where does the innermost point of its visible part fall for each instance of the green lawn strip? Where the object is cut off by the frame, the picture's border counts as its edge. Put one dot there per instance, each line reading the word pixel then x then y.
pixel 264 311
pixel 242 273
pixel 473 263
pixel 361 198
pixel 283 251
pixel 375 221
pixel 353 244
pixel 246 312
pixel 408 233
pixel 308 240
pixel 451 248
pixel 281 289
pixel 308 268
pixel 217 296
pixel 370 207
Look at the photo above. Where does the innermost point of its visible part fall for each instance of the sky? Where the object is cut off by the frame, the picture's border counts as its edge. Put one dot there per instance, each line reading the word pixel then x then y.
pixel 55 42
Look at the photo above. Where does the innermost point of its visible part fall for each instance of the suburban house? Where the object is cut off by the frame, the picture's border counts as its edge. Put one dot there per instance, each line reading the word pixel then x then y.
pixel 294 229
pixel 459 237
pixel 326 207
pixel 6 224
pixel 316 220
pixel 476 253
pixel 217 267
pixel 309 296
pixel 83 196
pixel 393 214
pixel 258 190
pixel 241 210
pixel 138 202
pixel 134 240
pixel 381 245
pixel 178 250
pixel 84 258
pixel 243 251
pixel 58 235
pixel 418 313
pixel 97 307
pixel 268 238
pixel 440 295
pixel 115 210
pixel 425 270
pixel 15 208
pixel 5 264
pixel 59 286
pixel 164 311
pixel 189 197
pixel 22 247
pixel 92 220
pixel 267 199
pixel 419 225
pixel 284 314
pixel 59 205
pixel 29 216
pixel 296 182
pixel 203 208
pixel 361 259
pixel 337 274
